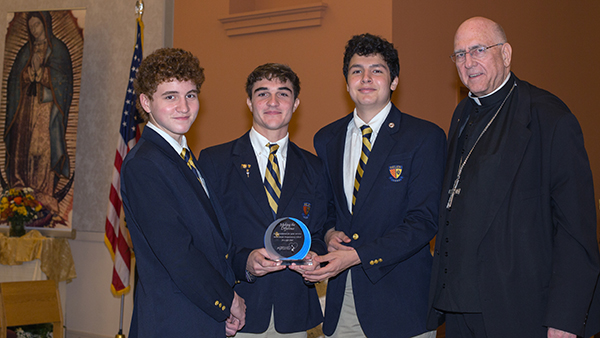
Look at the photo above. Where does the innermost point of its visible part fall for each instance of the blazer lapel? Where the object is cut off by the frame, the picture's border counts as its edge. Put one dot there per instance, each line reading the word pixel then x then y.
pixel 293 174
pixel 335 159
pixel 243 155
pixel 191 178
pixel 386 138
pixel 204 198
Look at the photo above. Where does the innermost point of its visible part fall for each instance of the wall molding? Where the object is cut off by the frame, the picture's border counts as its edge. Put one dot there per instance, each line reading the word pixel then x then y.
pixel 308 15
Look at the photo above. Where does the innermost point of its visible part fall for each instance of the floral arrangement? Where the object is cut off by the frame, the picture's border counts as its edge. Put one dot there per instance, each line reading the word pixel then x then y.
pixel 18 207
pixel 35 331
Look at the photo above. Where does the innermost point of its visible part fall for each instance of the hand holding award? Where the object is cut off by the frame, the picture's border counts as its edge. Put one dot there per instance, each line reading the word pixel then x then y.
pixel 288 240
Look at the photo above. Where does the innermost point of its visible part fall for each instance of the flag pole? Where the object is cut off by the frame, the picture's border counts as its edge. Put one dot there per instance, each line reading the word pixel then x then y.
pixel 139 11
pixel 120 334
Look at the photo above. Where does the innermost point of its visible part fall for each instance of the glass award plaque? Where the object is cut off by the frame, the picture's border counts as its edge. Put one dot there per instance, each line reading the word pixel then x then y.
pixel 288 240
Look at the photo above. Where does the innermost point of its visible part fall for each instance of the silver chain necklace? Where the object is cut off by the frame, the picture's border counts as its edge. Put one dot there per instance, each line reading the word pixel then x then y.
pixel 455 189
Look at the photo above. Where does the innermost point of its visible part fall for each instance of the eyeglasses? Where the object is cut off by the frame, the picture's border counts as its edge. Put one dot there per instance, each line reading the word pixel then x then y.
pixel 476 53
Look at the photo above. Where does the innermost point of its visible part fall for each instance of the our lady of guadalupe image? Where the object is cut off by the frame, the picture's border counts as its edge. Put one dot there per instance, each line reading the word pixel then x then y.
pixel 43 57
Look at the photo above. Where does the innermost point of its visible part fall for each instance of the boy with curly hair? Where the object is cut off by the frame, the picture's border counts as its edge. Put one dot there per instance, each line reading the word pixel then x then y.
pixel 178 229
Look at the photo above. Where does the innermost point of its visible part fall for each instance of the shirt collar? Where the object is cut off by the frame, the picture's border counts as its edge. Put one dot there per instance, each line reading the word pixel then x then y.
pixel 376 121
pixel 178 147
pixel 260 144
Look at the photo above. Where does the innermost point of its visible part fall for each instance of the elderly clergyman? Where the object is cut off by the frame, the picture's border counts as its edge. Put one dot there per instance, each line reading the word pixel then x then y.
pixel 516 252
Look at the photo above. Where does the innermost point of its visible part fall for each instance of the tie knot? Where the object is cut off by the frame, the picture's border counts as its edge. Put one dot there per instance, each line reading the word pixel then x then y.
pixel 273 148
pixel 366 131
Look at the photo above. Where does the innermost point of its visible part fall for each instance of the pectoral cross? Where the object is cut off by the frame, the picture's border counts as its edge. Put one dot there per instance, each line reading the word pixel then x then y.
pixel 453 192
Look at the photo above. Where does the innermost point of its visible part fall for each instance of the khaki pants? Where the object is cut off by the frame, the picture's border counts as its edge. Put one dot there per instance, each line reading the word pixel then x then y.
pixel 271 333
pixel 348 324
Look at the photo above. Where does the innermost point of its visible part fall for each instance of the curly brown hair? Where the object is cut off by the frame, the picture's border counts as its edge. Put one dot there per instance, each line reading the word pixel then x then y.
pixel 369 44
pixel 164 65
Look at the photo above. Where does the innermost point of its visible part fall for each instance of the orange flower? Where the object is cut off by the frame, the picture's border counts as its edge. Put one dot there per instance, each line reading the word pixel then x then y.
pixel 18 200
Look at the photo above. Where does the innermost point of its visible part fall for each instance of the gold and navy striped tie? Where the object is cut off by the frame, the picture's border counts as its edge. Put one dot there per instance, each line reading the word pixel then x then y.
pixel 272 179
pixel 185 155
pixel 364 157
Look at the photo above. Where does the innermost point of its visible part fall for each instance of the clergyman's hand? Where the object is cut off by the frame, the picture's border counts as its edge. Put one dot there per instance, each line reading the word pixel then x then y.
pixel 556 333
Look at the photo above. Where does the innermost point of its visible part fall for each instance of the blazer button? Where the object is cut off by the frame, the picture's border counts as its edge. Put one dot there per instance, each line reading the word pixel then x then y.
pixel 226 256
pixel 380 260
pixel 372 263
pixel 355 236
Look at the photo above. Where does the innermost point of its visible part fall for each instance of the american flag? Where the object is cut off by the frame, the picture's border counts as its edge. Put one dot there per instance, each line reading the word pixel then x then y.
pixel 129 135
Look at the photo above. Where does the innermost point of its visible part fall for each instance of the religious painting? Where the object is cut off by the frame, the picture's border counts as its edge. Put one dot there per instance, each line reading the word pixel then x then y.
pixel 38 117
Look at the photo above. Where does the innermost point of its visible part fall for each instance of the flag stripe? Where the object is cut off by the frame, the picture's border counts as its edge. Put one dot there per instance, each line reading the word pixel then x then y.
pixel 129 134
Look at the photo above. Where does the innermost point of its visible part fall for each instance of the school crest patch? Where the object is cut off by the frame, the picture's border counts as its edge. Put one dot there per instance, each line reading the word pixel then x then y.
pixel 306 210
pixel 396 173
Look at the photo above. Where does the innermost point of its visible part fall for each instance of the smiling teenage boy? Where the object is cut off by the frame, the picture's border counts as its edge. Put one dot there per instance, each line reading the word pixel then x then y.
pixel 385 206
pixel 280 303
pixel 179 233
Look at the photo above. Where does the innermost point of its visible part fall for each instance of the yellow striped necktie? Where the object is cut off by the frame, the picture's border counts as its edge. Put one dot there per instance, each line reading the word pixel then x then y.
pixel 185 155
pixel 272 180
pixel 364 157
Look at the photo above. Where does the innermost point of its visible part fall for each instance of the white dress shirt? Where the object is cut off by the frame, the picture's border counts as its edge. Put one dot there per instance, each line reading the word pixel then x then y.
pixel 353 147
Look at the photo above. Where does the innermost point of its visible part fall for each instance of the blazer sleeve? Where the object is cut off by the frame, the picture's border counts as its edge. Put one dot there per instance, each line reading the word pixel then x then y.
pixel 575 257
pixel 152 192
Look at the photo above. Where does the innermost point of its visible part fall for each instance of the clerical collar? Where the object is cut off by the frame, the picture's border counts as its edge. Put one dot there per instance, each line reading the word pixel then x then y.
pixel 496 96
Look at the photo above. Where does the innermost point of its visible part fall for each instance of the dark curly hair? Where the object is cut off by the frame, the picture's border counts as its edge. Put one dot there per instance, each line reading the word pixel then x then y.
pixel 368 44
pixel 272 71
pixel 164 65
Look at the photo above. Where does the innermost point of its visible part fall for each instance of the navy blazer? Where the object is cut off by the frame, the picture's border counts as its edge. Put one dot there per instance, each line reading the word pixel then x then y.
pixel 233 169
pixel 395 217
pixel 181 243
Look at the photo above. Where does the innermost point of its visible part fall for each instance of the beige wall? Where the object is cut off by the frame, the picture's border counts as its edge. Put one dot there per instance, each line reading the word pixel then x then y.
pixel 555 46
pixel 314 53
